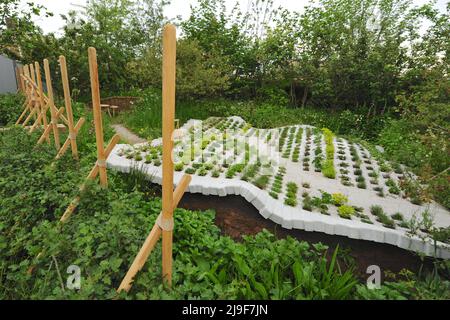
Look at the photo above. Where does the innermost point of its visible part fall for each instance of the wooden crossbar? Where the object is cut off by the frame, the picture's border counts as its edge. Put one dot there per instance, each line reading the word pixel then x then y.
pixel 91 176
pixel 152 239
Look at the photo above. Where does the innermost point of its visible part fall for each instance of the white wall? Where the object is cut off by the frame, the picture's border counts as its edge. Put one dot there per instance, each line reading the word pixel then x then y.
pixel 8 82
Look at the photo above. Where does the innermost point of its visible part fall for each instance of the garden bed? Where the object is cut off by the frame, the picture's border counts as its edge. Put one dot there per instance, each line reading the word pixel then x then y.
pixel 300 177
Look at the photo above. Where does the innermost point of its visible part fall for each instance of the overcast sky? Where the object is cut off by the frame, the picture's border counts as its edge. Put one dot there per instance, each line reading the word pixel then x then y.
pixel 177 8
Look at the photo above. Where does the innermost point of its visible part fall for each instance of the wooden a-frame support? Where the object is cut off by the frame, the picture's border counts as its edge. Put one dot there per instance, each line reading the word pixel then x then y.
pixel 102 153
pixel 170 199
pixel 30 95
pixel 37 101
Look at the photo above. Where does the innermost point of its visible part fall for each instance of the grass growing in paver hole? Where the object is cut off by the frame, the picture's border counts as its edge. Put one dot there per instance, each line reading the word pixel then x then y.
pixel 378 212
pixel 291 195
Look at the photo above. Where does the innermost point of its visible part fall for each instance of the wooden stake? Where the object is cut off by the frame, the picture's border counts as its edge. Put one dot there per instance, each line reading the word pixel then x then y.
pixel 51 102
pixel 34 92
pixel 168 115
pixel 152 239
pixel 68 105
pixel 26 105
pixel 96 109
pixel 43 106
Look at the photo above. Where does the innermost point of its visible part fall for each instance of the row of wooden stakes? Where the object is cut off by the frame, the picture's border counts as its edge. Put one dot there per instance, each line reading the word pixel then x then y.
pixel 38 104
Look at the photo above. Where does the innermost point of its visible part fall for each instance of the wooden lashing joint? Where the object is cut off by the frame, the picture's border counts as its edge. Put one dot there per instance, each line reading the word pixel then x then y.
pixel 170 198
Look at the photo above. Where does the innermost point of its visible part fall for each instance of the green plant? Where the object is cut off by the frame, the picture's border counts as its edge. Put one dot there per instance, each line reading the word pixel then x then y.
pixel 339 199
pixel 273 194
pixel 290 201
pixel 261 182
pixel 346 211
pixel 328 169
pixel 190 170
pixel 179 166
pixel 215 174
pixel 361 185
pixel 398 216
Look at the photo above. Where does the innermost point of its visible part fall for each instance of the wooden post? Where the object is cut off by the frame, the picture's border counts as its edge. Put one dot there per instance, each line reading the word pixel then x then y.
pixel 42 105
pixel 168 115
pixel 33 79
pixel 26 105
pixel 96 109
pixel 68 105
pixel 29 73
pixel 51 102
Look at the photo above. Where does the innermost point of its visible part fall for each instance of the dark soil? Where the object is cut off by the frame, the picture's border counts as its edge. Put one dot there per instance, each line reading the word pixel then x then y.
pixel 236 217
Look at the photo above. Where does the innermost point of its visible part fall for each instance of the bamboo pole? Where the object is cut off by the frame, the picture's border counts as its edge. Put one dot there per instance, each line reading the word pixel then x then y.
pixel 68 105
pixel 168 115
pixel 51 101
pixel 151 239
pixel 96 108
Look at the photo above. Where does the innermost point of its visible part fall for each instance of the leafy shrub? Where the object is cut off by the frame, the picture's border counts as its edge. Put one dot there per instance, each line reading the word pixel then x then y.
pixel 179 166
pixel 190 170
pixel 339 199
pixel 10 108
pixel 290 201
pixel 346 211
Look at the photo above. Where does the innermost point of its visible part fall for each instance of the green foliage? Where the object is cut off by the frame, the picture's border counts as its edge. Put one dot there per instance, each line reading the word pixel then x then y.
pixel 108 228
pixel 346 211
pixel 339 199
pixel 10 108
pixel 327 166
pixel 406 285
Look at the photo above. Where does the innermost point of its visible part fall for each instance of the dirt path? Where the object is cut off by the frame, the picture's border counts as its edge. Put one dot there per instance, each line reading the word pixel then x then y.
pixel 127 135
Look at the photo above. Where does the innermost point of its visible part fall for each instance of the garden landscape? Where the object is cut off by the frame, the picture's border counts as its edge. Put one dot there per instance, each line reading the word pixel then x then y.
pixel 278 154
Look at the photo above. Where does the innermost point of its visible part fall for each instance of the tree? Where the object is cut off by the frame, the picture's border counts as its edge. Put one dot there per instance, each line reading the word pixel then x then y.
pixel 16 26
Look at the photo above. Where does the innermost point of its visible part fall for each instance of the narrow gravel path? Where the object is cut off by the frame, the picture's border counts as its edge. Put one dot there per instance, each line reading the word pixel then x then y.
pixel 127 135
